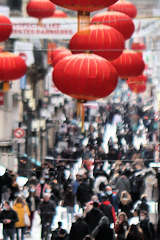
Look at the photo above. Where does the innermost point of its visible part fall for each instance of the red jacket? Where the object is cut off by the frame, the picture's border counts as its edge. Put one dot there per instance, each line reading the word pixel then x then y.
pixel 107 203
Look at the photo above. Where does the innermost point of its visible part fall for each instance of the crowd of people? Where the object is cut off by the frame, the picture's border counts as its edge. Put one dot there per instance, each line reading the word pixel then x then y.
pixel 111 186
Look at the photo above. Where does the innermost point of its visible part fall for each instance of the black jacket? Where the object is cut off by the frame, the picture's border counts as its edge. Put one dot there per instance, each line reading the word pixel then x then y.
pixel 79 230
pixel 105 233
pixel 148 229
pixel 8 214
pixel 92 218
pixel 84 193
pixel 47 211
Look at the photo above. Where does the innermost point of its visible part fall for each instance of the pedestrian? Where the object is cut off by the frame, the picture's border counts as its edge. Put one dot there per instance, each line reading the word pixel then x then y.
pixel 41 188
pixel 107 209
pixel 21 208
pixel 126 203
pixel 113 198
pixel 84 191
pixel 47 209
pixel 8 217
pixel 79 228
pixel 33 203
pixel 121 226
pixel 146 226
pixel 103 230
pixel 134 233
pixel 93 216
pixel 68 202
pixel 58 230
pixel 61 235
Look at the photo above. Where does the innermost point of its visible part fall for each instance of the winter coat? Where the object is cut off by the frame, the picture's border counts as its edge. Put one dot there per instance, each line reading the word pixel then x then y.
pixel 68 198
pixel 103 231
pixel 123 184
pixel 84 193
pixel 47 211
pixel 21 209
pixel 36 199
pixel 8 214
pixel 79 230
pixel 38 189
pixel 114 201
pixel 108 211
pixel 93 217
pixel 120 229
pixel 148 229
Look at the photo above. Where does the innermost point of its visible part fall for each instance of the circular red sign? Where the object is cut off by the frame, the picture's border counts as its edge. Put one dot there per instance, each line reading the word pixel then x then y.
pixel 19 133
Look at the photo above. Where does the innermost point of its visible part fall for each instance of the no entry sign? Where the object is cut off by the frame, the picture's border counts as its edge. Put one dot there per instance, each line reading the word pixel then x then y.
pixel 19 133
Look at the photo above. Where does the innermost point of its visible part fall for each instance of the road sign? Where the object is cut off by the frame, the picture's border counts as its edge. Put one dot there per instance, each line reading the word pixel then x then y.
pixel 19 140
pixel 19 133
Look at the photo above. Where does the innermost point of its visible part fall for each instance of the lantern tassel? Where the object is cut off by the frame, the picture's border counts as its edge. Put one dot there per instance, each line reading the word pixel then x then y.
pixel 81 113
pixel 78 109
pixel 40 24
pixel 82 117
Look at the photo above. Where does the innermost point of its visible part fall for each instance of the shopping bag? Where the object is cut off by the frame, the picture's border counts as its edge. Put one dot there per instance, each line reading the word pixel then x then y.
pixel 27 220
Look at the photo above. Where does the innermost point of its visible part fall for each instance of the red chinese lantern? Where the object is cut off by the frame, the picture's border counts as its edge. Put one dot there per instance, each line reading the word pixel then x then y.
pixel 137 84
pixel 84 5
pixel 55 58
pixel 85 76
pixel 59 14
pixel 40 8
pixel 138 46
pixel 5 28
pixel 12 66
pixel 124 7
pixel 120 21
pixel 129 64
pixel 54 52
pixel 102 40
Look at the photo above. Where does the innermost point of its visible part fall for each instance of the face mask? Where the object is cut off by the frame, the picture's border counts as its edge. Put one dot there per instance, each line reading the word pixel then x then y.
pixel 4 208
pixel 109 192
pixel 48 190
pixel 42 181
pixel 32 190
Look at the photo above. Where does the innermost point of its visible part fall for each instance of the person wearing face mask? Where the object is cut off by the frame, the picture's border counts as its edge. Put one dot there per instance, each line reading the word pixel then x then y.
pixel 33 203
pixel 47 211
pixel 142 204
pixel 41 188
pixel 113 198
pixel 8 217
pixel 146 226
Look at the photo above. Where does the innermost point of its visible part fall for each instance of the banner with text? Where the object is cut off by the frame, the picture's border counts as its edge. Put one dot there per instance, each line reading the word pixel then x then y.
pixel 50 28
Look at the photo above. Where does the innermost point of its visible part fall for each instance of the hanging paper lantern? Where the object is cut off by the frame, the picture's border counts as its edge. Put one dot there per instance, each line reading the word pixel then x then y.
pixel 129 64
pixel 102 40
pixel 12 66
pixel 124 7
pixel 84 5
pixel 53 53
pixel 59 14
pixel 138 46
pixel 85 76
pixel 40 8
pixel 5 28
pixel 55 58
pixel 137 84
pixel 120 21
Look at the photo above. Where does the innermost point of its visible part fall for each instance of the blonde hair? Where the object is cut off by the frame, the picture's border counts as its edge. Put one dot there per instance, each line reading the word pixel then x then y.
pixel 20 200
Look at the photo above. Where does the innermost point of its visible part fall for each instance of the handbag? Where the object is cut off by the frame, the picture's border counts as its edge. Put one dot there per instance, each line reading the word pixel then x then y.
pixel 27 219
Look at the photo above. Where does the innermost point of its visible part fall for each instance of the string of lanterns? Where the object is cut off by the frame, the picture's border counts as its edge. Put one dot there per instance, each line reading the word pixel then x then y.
pixel 98 54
